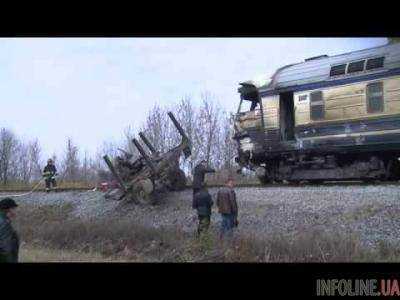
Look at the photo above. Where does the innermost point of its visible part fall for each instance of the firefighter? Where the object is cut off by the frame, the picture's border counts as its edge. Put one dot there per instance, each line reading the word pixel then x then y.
pixel 49 173
pixel 9 240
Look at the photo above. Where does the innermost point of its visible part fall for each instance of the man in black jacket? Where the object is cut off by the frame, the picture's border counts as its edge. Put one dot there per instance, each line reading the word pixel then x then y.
pixel 199 174
pixel 202 202
pixel 49 174
pixel 9 241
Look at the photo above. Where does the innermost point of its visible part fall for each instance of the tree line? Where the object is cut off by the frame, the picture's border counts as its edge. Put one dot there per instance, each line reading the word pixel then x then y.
pixel 207 125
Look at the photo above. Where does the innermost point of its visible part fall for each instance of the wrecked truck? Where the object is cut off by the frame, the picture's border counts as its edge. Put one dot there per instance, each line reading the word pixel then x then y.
pixel 145 179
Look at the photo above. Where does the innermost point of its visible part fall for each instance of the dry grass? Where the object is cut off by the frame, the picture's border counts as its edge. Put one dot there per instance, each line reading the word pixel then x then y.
pixel 30 254
pixel 21 186
pixel 49 233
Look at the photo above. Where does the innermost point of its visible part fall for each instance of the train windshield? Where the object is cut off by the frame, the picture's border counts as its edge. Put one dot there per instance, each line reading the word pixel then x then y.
pixel 246 106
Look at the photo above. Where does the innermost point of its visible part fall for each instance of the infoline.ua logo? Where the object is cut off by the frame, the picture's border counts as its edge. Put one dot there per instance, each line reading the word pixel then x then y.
pixel 357 287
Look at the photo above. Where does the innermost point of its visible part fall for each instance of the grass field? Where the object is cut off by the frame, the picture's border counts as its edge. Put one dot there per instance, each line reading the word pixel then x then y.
pixel 19 186
pixel 50 234
pixel 30 254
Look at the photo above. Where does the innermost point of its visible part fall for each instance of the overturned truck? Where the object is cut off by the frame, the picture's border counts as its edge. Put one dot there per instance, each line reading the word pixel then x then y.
pixel 142 180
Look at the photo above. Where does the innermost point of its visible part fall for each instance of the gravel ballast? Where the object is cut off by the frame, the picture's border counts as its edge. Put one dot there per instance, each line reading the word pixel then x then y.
pixel 371 212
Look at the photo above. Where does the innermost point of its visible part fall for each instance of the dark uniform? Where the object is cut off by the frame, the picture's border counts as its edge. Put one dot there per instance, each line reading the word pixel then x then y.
pixel 9 241
pixel 202 202
pixel 49 172
pixel 199 174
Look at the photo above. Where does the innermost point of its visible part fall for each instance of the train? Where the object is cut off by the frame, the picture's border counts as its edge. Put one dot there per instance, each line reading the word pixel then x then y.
pixel 326 118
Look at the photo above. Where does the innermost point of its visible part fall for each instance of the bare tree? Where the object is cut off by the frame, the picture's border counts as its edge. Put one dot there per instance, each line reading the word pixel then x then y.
pixel 35 159
pixel 110 148
pixel 188 117
pixel 71 162
pixel 85 167
pixel 208 133
pixel 155 128
pixel 22 164
pixel 127 145
pixel 228 149
pixel 8 144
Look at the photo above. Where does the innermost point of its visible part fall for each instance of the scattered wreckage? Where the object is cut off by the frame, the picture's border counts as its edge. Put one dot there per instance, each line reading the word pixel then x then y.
pixel 142 180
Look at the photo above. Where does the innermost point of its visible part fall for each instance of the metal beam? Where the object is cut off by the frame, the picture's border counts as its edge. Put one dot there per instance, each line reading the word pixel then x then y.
pixel 114 172
pixel 147 143
pixel 145 156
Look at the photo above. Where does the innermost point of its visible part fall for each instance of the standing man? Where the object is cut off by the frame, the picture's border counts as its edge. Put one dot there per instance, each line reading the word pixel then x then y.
pixel 49 174
pixel 199 174
pixel 202 202
pixel 227 207
pixel 9 241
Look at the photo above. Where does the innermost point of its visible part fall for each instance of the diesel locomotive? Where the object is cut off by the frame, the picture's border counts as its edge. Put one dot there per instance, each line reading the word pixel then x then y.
pixel 327 118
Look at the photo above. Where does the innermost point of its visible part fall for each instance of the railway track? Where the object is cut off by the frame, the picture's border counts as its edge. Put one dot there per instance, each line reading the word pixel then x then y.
pixel 288 185
pixel 244 185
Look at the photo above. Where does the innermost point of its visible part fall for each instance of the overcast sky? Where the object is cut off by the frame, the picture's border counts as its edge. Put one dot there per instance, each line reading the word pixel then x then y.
pixel 90 89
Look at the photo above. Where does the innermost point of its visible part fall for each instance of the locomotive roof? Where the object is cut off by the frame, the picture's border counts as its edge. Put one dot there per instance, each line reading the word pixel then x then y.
pixel 317 69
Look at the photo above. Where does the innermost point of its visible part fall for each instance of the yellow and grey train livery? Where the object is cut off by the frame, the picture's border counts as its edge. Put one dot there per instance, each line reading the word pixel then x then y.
pixel 327 118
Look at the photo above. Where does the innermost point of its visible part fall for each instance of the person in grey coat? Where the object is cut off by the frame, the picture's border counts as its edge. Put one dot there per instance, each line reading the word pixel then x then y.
pixel 9 240
pixel 228 208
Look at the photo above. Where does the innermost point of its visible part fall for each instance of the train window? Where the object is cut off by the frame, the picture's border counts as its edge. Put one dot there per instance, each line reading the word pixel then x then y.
pixel 375 63
pixel 302 98
pixel 316 106
pixel 338 70
pixel 375 97
pixel 357 66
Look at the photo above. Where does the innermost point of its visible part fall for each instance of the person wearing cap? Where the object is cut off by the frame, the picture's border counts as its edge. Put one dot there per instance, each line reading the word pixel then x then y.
pixel 9 240
pixel 49 174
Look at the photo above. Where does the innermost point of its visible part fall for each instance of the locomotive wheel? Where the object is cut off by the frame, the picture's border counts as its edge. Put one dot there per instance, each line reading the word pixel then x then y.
pixel 393 170
pixel 317 181
pixel 262 175
pixel 369 180
pixel 294 182
pixel 264 180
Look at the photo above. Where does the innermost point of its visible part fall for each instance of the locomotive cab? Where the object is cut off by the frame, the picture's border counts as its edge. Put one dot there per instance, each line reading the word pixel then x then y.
pixel 249 113
pixel 248 124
